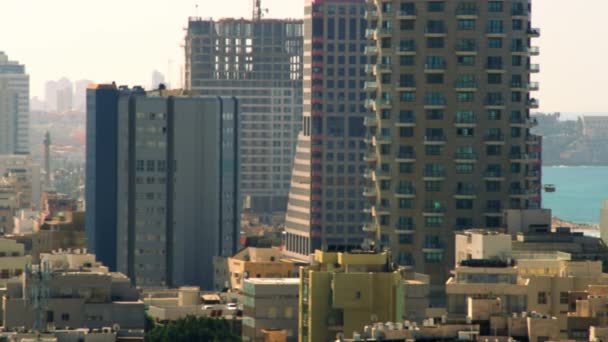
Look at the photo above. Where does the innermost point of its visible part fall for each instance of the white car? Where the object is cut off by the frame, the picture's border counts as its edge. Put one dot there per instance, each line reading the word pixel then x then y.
pixel 231 306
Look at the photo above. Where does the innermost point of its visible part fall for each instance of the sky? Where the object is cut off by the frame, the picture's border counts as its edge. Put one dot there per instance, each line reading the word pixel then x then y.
pixel 125 40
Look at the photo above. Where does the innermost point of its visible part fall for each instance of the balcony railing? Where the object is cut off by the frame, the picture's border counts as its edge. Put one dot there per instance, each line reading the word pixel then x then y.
pixel 409 226
pixel 466 120
pixel 406 155
pixel 494 102
pixel 466 11
pixel 519 12
pixel 434 173
pixel 532 103
pixel 406 118
pixel 493 174
pixel 406 48
pixel 465 156
pixel 433 138
pixel 466 48
pixel 533 31
pixel 534 68
pixel 371 50
pixel 406 13
pixel 495 66
pixel 408 190
pixel 493 210
pixel 435 30
pixel 466 192
pixel 370 121
pixel 370 86
pixel 495 30
pixel 435 66
pixel 436 210
pixel 494 137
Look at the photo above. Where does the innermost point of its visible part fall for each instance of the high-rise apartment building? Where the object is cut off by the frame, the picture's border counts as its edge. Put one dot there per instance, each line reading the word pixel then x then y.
pixel 449 131
pixel 162 183
pixel 14 107
pixel 325 201
pixel 259 62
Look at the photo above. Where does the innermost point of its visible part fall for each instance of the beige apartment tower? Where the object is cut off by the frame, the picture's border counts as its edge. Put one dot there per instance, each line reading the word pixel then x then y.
pixel 449 126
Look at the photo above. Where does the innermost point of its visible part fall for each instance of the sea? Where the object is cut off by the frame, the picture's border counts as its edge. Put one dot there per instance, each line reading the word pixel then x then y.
pixel 580 192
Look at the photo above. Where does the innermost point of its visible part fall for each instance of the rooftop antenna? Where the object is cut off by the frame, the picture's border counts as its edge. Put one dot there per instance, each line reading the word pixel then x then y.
pixel 258 10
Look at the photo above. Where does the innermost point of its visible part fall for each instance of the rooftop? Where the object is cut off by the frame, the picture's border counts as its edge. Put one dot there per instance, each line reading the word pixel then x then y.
pixel 274 281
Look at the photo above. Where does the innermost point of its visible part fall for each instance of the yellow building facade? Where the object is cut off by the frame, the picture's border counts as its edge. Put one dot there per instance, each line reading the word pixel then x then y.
pixel 343 292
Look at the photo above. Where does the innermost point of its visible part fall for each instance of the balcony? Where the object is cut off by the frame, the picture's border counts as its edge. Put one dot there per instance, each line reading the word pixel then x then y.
pixel 438 67
pixel 368 174
pixel 493 211
pixel 369 103
pixel 520 86
pixel 405 156
pixel 534 68
pixel 495 103
pixel 518 156
pixel 433 211
pixel 382 68
pixel 520 12
pixel 406 227
pixel 434 174
pixel 523 122
pixel 370 192
pixel 371 50
pixel 369 33
pixel 370 86
pixel 494 139
pixel 405 192
pixel 466 12
pixel 465 121
pixel 382 139
pixel 384 32
pixel 382 174
pixel 534 51
pixel 462 49
pixel 434 139
pixel 522 192
pixel 406 14
pixel 465 156
pixel 465 193
pixel 370 227
pixel 406 120
pixel 371 14
pixel 406 50
pixel 532 103
pixel 532 139
pixel 495 67
pixel 435 31
pixel 493 175
pixel 495 31
pixel 466 86
pixel 533 174
pixel 533 32
pixel 370 157
pixel 434 246
pixel 435 103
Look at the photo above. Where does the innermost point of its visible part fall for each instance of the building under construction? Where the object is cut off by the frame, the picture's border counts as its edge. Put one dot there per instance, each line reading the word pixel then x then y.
pixel 259 61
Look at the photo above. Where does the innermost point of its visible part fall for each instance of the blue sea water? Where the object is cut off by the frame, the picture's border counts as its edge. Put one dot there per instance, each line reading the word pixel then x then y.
pixel 580 192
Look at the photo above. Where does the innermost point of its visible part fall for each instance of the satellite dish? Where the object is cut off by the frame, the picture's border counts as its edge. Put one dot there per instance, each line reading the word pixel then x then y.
pixel 116 327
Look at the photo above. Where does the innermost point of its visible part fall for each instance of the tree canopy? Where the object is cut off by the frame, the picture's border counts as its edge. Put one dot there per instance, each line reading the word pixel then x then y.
pixel 192 328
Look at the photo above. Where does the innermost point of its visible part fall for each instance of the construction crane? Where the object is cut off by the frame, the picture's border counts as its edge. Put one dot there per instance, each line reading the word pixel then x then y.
pixel 258 10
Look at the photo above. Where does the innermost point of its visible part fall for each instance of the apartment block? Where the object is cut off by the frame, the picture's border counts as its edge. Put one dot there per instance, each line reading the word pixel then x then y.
pixel 14 107
pixel 259 62
pixel 270 305
pixel 232 272
pixel 162 188
pixel 24 174
pixel 72 290
pixel 326 203
pixel 449 143
pixel 533 281
pixel 342 292
pixel 13 260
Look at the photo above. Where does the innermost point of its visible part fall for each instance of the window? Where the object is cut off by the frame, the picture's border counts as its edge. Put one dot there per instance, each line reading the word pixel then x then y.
pixel 495 26
pixel 494 114
pixel 465 132
pixel 406 167
pixel 433 222
pixel 436 6
pixel 405 203
pixel 492 186
pixel 434 78
pixel 464 204
pixel 408 25
pixel 493 150
pixel 433 258
pixel 432 186
pixel 466 60
pixel 434 114
pixel 407 60
pixel 407 96
pixel 494 78
pixel 65 316
pixel 517 25
pixel 435 43
pixel 495 6
pixel 466 24
pixel 464 168
pixel 542 298
pixel 406 132
pixel 433 150
pixel 495 43
pixel 406 239
pixel 467 96
pixel 563 298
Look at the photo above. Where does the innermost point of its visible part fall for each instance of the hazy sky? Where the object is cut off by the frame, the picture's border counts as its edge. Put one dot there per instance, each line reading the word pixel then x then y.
pixel 125 40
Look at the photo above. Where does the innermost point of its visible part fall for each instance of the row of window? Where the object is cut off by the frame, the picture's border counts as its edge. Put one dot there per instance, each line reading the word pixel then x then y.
pixel 465 7
pixel 439 26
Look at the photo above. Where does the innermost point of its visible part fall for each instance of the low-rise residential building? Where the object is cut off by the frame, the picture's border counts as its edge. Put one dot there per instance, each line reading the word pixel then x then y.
pixel 174 304
pixel 251 262
pixel 539 282
pixel 72 290
pixel 12 260
pixel 588 316
pixel 341 292
pixel 270 304
pixel 25 175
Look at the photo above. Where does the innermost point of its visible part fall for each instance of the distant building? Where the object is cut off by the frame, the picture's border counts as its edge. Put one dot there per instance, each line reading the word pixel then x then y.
pixel 342 292
pixel 79 293
pixel 24 174
pixel 157 79
pixel 162 184
pixel 12 260
pixel 14 107
pixel 80 94
pixel 261 63
pixel 251 262
pixel 270 304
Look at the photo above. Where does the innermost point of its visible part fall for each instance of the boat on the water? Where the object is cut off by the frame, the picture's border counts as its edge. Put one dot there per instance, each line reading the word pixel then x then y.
pixel 549 188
